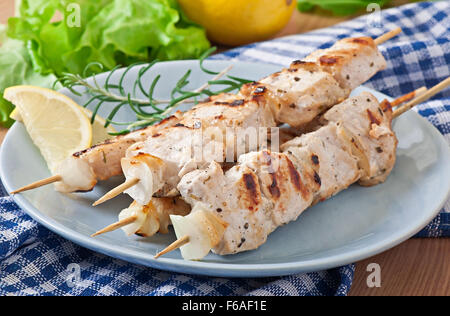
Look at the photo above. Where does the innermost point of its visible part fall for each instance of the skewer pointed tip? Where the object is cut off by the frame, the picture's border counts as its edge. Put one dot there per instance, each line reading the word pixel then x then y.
pixel 115 226
pixel 37 184
pixel 173 246
pixel 116 191
pixel 389 35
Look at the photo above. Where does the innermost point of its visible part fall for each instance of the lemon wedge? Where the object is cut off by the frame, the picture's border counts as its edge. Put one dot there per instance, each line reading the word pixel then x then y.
pixel 99 132
pixel 56 124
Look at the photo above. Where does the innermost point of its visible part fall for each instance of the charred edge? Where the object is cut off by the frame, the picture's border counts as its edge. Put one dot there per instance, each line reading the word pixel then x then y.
pixel 237 103
pixel 241 243
pixel 386 106
pixel 180 125
pixel 156 135
pixel 167 119
pixel 360 40
pixel 273 188
pixel 299 62
pixel 328 60
pixel 250 185
pixel 221 103
pixel 373 118
pixel 106 142
pixel 317 179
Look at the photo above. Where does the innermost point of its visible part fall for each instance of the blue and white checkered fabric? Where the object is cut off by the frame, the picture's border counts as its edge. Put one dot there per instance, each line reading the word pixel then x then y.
pixel 34 261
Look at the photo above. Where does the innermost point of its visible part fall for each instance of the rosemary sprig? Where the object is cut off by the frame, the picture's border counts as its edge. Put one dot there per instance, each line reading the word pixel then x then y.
pixel 117 97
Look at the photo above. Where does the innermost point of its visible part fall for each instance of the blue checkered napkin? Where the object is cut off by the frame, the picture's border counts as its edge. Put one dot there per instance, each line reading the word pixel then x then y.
pixel 419 57
pixel 34 261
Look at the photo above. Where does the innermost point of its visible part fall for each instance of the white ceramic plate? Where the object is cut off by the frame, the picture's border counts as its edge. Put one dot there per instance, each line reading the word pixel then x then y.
pixel 354 225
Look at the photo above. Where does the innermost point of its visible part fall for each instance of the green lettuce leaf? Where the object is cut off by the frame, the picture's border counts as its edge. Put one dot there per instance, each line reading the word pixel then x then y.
pixel 15 69
pixel 111 32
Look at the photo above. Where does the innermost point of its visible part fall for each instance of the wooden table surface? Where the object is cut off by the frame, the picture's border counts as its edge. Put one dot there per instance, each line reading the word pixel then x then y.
pixel 416 267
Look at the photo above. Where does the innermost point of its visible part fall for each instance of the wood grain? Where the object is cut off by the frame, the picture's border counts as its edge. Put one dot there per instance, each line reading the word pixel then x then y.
pixel 416 267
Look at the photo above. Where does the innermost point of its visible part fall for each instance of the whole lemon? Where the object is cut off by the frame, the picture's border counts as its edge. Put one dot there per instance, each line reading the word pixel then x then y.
pixel 238 22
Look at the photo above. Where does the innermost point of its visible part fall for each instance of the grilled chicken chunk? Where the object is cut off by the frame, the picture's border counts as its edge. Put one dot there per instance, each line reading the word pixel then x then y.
pixel 350 61
pixel 266 190
pixel 298 94
pixel 208 132
pixel 154 217
pixel 83 169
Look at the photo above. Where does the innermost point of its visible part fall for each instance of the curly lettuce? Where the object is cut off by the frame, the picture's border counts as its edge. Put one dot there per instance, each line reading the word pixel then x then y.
pixel 16 68
pixel 112 32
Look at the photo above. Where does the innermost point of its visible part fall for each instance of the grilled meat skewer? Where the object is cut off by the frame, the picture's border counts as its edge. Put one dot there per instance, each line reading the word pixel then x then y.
pixel 296 95
pixel 267 190
pixel 82 171
pixel 286 135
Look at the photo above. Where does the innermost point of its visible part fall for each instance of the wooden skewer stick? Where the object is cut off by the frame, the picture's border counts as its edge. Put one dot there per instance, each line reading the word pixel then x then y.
pixel 173 246
pixel 408 97
pixel 384 38
pixel 122 223
pixel 38 184
pixel 116 191
pixel 429 94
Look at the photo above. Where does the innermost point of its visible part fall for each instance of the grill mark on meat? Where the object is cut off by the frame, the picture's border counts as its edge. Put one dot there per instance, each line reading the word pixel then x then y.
pixel 273 188
pixel 373 118
pixel 317 179
pixel 251 192
pixel 360 41
pixel 328 60
pixel 315 159
pixel 296 180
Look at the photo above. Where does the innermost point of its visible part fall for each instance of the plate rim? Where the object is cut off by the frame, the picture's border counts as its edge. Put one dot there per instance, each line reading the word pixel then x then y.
pixel 223 269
